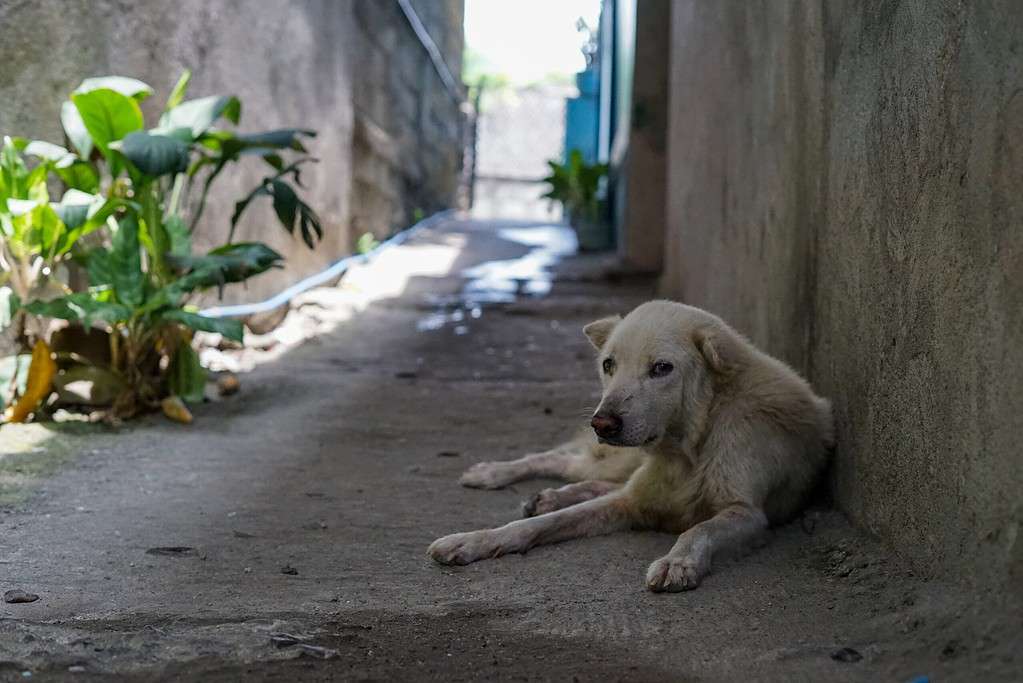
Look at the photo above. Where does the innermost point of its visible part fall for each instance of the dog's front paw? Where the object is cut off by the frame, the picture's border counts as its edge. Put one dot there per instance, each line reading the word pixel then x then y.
pixel 541 503
pixel 463 548
pixel 488 475
pixel 673 573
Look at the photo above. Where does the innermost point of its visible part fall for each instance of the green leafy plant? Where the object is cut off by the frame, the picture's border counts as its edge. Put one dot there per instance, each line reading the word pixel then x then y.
pixel 576 184
pixel 37 236
pixel 144 191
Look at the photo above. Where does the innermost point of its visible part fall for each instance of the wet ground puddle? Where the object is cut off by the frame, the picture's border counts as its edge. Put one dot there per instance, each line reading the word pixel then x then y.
pixel 502 282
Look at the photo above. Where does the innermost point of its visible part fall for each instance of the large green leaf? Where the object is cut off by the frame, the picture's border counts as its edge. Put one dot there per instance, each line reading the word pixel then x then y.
pixel 231 145
pixel 129 87
pixel 107 115
pixel 80 175
pixel 72 215
pixel 80 306
pixel 198 115
pixel 230 263
pixel 283 138
pixel 37 228
pixel 126 263
pixel 285 204
pixel 48 152
pixel 74 128
pixel 81 213
pixel 186 377
pixel 99 269
pixel 230 328
pixel 155 155
pixel 180 238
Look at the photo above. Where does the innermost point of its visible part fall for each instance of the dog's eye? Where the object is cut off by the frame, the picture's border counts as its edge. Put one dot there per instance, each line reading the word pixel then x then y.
pixel 609 366
pixel 661 368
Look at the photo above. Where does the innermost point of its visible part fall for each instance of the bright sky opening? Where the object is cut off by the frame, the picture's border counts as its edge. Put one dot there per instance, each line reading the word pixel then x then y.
pixel 527 40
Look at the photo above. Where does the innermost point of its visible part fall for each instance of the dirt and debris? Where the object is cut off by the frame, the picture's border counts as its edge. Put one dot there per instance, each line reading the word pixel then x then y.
pixel 846 654
pixel 15 597
pixel 172 551
pixel 327 433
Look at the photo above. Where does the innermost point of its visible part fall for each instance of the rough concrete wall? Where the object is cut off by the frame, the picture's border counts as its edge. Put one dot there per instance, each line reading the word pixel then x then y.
pixel 285 62
pixel 408 126
pixel 292 64
pixel 844 185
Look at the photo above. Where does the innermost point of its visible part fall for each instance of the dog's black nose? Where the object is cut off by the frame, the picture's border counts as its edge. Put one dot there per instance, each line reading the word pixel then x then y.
pixel 606 425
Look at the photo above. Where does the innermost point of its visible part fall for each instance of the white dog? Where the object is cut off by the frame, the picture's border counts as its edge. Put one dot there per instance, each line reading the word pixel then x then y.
pixel 713 439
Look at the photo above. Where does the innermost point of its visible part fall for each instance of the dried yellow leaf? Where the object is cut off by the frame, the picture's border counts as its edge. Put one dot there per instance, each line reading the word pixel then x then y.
pixel 39 385
pixel 175 409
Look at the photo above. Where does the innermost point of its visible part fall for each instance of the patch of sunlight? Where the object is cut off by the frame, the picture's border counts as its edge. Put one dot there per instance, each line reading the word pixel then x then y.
pixel 388 275
pixel 529 274
pixel 321 310
pixel 31 452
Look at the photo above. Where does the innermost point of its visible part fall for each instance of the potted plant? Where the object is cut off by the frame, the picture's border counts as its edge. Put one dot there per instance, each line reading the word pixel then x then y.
pixel 577 185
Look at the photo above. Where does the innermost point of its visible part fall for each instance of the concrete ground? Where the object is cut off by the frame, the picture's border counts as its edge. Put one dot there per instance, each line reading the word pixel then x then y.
pixel 304 505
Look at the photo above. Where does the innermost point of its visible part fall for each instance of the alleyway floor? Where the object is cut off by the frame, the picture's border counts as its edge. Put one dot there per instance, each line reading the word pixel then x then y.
pixel 304 506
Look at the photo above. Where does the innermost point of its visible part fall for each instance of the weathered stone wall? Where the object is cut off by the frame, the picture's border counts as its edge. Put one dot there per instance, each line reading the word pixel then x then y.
pixel 407 142
pixel 844 185
pixel 292 64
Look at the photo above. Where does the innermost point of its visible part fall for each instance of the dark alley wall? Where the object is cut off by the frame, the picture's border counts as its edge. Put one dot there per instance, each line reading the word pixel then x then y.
pixel 845 185
pixel 309 63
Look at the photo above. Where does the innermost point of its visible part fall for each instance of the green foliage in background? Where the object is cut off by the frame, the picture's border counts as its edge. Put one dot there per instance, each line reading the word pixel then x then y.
pixel 576 184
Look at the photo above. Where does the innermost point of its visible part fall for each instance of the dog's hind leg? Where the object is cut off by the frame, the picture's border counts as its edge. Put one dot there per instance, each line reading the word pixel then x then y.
pixel 731 530
pixel 577 460
pixel 603 515
pixel 550 500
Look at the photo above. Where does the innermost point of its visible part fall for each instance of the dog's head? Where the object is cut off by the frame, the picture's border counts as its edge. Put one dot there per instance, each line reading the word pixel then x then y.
pixel 658 366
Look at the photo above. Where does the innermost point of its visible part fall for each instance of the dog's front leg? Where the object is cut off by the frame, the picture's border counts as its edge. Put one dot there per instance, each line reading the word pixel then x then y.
pixel 731 530
pixel 550 500
pixel 599 516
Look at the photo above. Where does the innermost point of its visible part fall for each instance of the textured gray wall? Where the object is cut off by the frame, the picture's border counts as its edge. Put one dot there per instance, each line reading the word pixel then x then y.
pixel 407 146
pixel 292 64
pixel 846 185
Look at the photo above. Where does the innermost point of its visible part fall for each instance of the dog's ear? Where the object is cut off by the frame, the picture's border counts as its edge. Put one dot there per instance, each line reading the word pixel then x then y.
pixel 599 330
pixel 715 348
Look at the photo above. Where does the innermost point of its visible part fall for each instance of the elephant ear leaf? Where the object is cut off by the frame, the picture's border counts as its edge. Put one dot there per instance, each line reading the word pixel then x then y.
pixel 186 378
pixel 129 87
pixel 107 116
pixel 74 128
pixel 230 328
pixel 80 306
pixel 154 155
pixel 198 115
pixel 125 263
